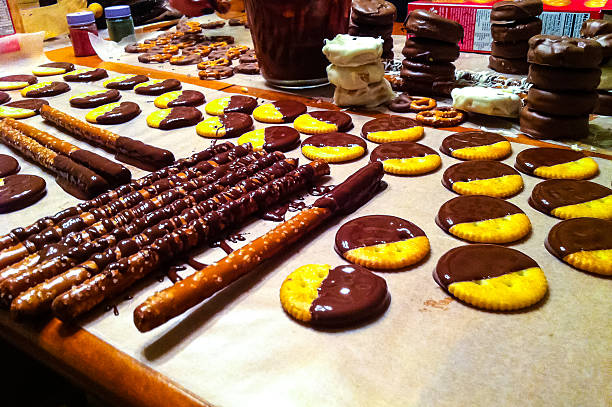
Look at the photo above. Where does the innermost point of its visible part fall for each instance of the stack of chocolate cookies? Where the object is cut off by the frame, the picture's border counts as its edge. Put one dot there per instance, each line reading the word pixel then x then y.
pixel 374 18
pixel 564 72
pixel 427 68
pixel 601 31
pixel 512 24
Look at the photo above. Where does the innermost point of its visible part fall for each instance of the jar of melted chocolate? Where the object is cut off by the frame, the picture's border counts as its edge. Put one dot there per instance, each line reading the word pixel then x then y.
pixel 288 37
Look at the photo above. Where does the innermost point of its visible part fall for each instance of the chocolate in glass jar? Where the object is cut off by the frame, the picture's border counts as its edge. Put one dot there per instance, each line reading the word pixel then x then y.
pixel 288 37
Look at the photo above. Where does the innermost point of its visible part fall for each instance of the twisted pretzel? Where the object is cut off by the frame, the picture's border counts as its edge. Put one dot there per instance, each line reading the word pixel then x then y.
pixel 422 104
pixel 442 117
pixel 214 62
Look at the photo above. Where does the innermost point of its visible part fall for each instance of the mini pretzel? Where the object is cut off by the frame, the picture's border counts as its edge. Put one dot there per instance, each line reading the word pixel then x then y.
pixel 186 44
pixel 218 44
pixel 214 62
pixel 216 72
pixel 143 47
pixel 202 50
pixel 239 48
pixel 170 49
pixel 149 58
pixel 162 41
pixel 422 104
pixel 442 117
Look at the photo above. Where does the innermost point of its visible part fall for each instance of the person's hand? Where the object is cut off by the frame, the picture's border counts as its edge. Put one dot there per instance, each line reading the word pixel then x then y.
pixel 194 8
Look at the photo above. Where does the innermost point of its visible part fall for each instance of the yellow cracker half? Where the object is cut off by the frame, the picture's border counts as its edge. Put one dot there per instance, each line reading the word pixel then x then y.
pixel 597 208
pixel 92 115
pixel 211 127
pixel 155 118
pixel 593 261
pixel 217 107
pixel 267 113
pixel 38 85
pixel 508 292
pixel 48 71
pixel 12 85
pixel 493 151
pixel 390 256
pixel 16 112
pixel 301 288
pixel 499 230
pixel 333 154
pixel 499 187
pixel 307 124
pixel 412 166
pixel 410 134
pixel 255 137
pixel 580 169
pixel 162 100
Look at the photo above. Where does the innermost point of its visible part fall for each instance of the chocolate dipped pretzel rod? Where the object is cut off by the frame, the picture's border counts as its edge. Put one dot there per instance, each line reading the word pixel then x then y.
pixel 115 174
pixel 184 294
pixel 20 234
pixel 72 177
pixel 119 276
pixel 106 217
pixel 131 195
pixel 127 150
pixel 267 167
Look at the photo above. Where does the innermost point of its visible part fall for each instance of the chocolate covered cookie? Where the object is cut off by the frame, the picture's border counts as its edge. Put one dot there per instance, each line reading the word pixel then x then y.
pixel 45 89
pixel 333 147
pixel 568 52
pixel 8 165
pixel 4 97
pixel 231 124
pixel 516 31
pixel 560 79
pixel 428 72
pixel 546 162
pixel 94 98
pixel 113 113
pixel 515 66
pixel 543 126
pixel 373 12
pixel 512 10
pixel 392 128
pixel 428 24
pixel 13 82
pixel 20 109
pixel 510 50
pixel 124 82
pixel 179 98
pixel 594 27
pixel 604 107
pixel 19 190
pixel 428 50
pixel 229 104
pixel 567 198
pixel 568 103
pixel 281 111
pixel 155 87
pixel 323 121
pixel 490 178
pixel 272 138
pixel 53 68
pixel 406 158
pixel 174 118
pixel 476 145
pixel 86 75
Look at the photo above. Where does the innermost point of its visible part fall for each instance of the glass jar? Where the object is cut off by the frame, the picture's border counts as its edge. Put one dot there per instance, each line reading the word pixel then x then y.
pixel 80 25
pixel 119 22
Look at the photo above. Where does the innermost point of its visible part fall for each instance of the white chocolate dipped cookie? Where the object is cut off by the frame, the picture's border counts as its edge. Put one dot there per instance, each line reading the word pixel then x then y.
pixel 488 101
pixel 347 50
pixel 355 77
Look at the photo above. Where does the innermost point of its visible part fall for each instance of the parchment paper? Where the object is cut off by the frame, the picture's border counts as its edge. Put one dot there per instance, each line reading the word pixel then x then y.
pixel 240 348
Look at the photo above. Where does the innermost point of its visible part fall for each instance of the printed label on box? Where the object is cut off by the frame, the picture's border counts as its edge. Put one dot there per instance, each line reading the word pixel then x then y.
pixel 6 23
pixel 482 30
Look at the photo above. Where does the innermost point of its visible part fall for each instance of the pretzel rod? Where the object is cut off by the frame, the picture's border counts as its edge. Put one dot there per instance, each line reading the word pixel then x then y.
pixel 122 274
pixel 115 174
pixel 128 150
pixel 269 166
pixel 72 177
pixel 185 294
pixel 37 300
pixel 77 223
pixel 18 235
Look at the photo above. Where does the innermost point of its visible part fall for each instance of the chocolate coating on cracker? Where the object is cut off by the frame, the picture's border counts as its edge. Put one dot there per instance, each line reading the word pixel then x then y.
pixel 347 295
pixel 468 139
pixel 236 123
pixel 127 84
pixel 554 193
pixel 334 139
pixel 342 120
pixel 290 109
pixel 52 89
pixel 126 111
pixel 158 88
pixel 87 76
pixel 579 234
pixel 473 208
pixel 528 160
pixel 29 79
pixel 181 116
pixel 478 262
pixel 374 12
pixel 280 138
pixel 564 51
pixel 475 170
pixel 241 104
pixel 400 150
pixel 8 165
pixel 387 123
pixel 96 100
pixel 188 98
pixel 66 66
pixel 373 230
pixel 31 104
pixel 20 190
pixel 4 97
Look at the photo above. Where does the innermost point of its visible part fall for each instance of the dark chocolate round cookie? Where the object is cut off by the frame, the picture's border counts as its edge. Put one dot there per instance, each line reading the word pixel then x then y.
pixel 543 126
pixel 8 165
pixel 29 104
pixel 24 80
pixel 387 124
pixel 248 68
pixel 19 190
pixel 516 31
pixel 604 107
pixel 94 98
pixel 510 50
pixel 504 181
pixel 594 27
pixel 373 12
pixel 515 66
pixel 560 79
pixel 272 138
pixel 569 103
pixel 280 111
pixel 553 50
pixel 511 10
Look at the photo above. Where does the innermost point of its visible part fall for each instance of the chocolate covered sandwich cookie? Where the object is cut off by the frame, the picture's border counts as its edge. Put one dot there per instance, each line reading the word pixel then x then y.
pixel 231 124
pixel 381 242
pixel 490 178
pixel 272 138
pixel 512 10
pixel 392 128
pixel 556 163
pixel 563 103
pixel 323 296
pixel 585 243
pixel 334 147
pixel 428 24
pixel 406 158
pixel 428 50
pixel 516 31
pixel 540 125
pixel 491 277
pixel 566 198
pixel 556 51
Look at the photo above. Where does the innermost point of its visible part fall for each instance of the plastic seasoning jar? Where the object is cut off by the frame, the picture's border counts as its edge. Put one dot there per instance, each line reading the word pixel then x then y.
pixel 81 24
pixel 119 22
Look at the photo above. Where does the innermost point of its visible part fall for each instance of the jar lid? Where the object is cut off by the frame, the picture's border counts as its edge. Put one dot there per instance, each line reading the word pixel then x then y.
pixel 80 17
pixel 117 11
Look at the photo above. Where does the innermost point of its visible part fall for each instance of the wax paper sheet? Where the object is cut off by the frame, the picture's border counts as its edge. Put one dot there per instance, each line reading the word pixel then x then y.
pixel 240 348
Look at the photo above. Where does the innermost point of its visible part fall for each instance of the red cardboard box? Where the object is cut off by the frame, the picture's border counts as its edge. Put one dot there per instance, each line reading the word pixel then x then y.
pixel 560 17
